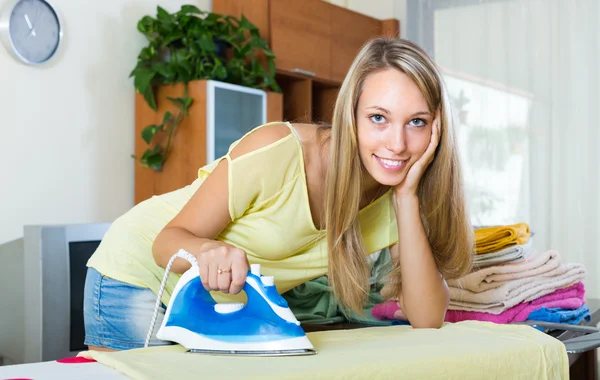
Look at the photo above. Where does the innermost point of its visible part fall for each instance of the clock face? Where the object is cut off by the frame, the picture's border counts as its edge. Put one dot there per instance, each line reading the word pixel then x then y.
pixel 35 30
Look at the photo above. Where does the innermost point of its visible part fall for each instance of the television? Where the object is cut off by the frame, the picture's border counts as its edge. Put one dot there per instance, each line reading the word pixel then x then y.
pixel 42 277
pixel 231 112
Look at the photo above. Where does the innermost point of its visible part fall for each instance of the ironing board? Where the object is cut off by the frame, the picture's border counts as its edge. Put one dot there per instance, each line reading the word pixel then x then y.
pixel 582 365
pixel 462 350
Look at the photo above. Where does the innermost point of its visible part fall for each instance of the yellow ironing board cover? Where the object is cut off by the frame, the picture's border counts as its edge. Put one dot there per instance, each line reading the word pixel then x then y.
pixel 463 350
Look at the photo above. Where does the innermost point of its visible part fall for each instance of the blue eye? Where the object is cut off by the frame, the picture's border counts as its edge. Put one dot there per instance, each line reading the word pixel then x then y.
pixel 377 118
pixel 418 122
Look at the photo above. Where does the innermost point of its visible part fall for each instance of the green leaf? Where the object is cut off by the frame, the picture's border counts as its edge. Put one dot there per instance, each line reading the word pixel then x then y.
pixel 153 158
pixel 207 44
pixel 162 14
pixel 185 9
pixel 167 117
pixel 245 24
pixel 146 25
pixel 176 36
pixel 164 69
pixel 220 71
pixel 155 161
pixel 271 67
pixel 179 102
pixel 150 98
pixel 146 54
pixel 149 132
pixel 143 78
pixel 143 84
pixel 212 19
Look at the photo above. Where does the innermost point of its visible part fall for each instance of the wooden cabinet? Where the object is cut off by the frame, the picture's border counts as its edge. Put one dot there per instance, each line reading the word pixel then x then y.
pixel 300 36
pixel 349 31
pixel 314 43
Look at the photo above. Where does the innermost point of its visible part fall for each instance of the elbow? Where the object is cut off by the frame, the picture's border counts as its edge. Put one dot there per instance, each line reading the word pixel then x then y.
pixel 434 318
pixel 156 251
pixel 428 323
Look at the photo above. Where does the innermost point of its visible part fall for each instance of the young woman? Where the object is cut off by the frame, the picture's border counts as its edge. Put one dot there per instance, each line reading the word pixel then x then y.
pixel 303 201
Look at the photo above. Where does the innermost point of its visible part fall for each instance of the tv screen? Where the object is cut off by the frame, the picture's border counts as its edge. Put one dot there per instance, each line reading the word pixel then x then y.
pixel 79 254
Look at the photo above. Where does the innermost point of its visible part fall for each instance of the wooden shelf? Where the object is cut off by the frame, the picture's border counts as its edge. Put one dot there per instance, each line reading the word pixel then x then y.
pixel 323 101
pixel 297 98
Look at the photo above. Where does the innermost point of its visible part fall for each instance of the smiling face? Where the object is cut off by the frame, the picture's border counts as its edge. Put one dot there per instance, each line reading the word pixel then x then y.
pixel 393 125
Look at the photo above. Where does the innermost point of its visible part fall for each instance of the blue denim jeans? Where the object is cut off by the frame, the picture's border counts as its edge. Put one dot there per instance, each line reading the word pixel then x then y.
pixel 117 315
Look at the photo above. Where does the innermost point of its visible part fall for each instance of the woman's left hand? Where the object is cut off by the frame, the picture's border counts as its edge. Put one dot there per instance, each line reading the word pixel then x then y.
pixel 410 184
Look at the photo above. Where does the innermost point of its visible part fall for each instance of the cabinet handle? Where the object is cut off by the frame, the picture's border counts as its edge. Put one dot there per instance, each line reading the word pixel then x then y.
pixel 305 72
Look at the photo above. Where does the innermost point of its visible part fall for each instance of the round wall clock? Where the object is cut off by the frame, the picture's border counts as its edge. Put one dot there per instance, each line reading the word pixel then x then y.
pixel 31 30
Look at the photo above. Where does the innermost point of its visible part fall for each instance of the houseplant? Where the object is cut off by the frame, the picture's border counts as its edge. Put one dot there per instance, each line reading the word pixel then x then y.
pixel 189 45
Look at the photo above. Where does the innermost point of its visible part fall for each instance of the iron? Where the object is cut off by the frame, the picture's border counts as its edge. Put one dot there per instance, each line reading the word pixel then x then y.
pixel 264 326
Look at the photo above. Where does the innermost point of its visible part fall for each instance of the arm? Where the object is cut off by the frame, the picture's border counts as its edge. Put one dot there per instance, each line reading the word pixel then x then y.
pixel 205 215
pixel 425 295
pixel 198 223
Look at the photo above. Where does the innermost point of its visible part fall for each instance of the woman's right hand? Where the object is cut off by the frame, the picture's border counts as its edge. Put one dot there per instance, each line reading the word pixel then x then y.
pixel 223 267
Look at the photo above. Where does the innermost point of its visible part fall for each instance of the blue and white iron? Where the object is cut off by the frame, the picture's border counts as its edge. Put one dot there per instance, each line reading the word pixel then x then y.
pixel 265 326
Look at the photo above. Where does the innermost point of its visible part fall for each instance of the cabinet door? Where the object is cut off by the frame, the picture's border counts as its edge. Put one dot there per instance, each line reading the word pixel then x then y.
pixel 300 36
pixel 349 31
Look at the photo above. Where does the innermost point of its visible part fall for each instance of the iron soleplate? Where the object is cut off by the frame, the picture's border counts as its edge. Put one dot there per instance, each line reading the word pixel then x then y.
pixel 288 352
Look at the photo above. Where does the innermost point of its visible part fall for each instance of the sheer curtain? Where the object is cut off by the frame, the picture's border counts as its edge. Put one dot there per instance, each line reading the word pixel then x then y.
pixel 524 77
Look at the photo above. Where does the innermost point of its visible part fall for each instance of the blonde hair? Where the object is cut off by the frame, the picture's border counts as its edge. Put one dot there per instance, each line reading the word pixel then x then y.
pixel 440 192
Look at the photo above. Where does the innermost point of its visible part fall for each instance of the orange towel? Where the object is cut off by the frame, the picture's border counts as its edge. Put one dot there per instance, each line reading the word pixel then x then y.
pixel 491 239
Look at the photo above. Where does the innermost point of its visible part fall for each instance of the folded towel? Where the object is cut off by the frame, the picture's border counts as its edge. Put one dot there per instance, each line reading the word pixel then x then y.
pixel 559 315
pixel 492 277
pixel 511 293
pixel 490 239
pixel 515 253
pixel 569 298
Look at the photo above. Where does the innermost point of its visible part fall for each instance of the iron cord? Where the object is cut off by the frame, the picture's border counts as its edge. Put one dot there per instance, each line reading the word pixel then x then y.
pixel 181 254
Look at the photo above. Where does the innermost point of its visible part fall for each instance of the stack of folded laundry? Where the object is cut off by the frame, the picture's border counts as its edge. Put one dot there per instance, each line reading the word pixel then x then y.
pixel 502 244
pixel 512 287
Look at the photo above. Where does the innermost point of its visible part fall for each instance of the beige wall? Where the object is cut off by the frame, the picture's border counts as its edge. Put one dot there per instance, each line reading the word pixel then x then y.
pixel 67 130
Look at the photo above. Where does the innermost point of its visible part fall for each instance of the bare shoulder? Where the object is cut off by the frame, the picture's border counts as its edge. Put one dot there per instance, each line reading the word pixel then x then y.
pixel 314 149
pixel 261 138
pixel 308 132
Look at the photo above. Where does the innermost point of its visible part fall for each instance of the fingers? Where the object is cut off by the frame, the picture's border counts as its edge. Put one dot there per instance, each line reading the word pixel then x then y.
pixel 239 271
pixel 224 269
pixel 223 281
pixel 427 157
pixel 213 276
pixel 435 135
pixel 203 269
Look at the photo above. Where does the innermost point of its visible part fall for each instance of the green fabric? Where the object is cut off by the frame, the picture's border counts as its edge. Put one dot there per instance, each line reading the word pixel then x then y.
pixel 314 303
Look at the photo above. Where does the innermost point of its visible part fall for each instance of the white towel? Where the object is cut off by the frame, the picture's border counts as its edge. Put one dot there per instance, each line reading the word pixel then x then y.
pixel 537 264
pixel 515 253
pixel 497 300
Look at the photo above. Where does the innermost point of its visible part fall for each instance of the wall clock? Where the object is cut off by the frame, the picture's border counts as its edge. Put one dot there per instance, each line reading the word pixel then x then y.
pixel 31 30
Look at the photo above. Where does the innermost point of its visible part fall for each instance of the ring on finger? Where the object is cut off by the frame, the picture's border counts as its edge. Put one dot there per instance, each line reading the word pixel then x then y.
pixel 221 271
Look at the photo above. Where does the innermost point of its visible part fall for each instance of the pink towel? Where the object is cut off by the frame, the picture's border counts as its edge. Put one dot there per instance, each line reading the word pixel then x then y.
pixel 569 298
